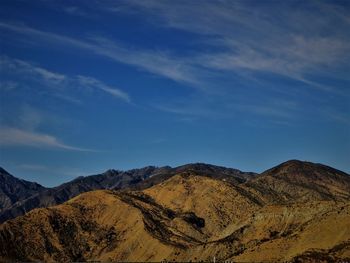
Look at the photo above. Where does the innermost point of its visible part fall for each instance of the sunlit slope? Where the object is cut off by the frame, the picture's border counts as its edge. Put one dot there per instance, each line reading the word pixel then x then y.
pixel 93 226
pixel 18 197
pixel 285 232
pixel 223 206
pixel 297 181
pixel 191 217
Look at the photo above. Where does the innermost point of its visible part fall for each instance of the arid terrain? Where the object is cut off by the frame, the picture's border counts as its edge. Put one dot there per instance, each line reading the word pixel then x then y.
pixel 296 211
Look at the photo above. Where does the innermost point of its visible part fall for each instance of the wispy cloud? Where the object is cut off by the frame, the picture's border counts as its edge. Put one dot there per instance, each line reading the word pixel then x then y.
pixel 92 82
pixel 156 62
pixel 303 43
pixel 50 79
pixel 15 137
pixel 22 129
pixel 336 116
pixel 295 60
pixel 284 40
pixel 25 67
pixel 275 110
pixel 237 39
pixel 292 54
pixel 33 118
pixel 8 85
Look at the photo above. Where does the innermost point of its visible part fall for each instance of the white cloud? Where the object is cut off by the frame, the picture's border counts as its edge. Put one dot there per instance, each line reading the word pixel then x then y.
pixel 300 56
pixel 15 137
pixel 26 68
pixel 269 109
pixel 284 40
pixel 63 83
pixel 237 39
pixel 44 73
pixel 92 82
pixel 159 63
pixel 292 55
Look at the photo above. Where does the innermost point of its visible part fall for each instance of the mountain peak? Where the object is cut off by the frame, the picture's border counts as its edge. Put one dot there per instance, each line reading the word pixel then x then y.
pixel 297 167
pixel 112 172
pixel 13 189
pixel 299 181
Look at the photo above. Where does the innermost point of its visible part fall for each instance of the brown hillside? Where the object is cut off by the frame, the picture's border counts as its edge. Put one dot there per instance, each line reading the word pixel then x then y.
pixel 224 206
pixel 297 181
pixel 192 217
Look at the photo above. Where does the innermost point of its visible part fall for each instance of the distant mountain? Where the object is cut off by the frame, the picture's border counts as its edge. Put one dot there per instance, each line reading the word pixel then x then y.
pixel 294 212
pixel 230 175
pixel 300 181
pixel 13 189
pixel 112 179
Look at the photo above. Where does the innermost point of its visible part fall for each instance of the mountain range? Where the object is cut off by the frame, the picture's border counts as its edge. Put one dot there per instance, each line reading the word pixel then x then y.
pixel 19 196
pixel 297 211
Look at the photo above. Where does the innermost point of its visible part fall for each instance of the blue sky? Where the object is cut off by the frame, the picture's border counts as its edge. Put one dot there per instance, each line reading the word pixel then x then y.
pixel 92 85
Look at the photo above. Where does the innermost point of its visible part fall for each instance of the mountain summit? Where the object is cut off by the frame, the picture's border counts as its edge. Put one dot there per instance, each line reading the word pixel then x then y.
pixel 300 181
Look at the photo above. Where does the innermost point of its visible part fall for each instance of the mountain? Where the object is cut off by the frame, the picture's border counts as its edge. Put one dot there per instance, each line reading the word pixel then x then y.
pixel 13 189
pixel 231 175
pixel 297 181
pixel 194 217
pixel 111 179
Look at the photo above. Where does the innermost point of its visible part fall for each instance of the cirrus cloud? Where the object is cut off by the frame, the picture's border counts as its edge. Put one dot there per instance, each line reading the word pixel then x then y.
pixel 52 80
pixel 10 136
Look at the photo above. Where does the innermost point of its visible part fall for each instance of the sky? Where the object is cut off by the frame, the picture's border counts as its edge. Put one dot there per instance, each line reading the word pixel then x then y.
pixel 88 86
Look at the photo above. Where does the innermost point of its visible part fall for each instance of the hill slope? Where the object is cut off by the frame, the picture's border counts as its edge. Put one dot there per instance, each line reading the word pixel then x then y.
pixel 111 179
pixel 192 217
pixel 297 181
pixel 13 189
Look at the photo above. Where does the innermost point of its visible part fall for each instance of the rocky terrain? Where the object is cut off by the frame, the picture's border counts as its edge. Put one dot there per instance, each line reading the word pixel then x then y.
pixel 14 190
pixel 18 196
pixel 297 212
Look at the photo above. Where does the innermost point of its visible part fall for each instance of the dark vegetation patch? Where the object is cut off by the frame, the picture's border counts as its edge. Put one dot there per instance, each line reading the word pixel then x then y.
pixel 323 255
pixel 314 256
pixel 191 218
pixel 156 219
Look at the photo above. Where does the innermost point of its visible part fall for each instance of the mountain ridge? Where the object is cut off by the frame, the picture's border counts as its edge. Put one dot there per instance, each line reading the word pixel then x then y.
pixel 142 178
pixel 13 189
pixel 114 179
pixel 302 181
pixel 187 217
